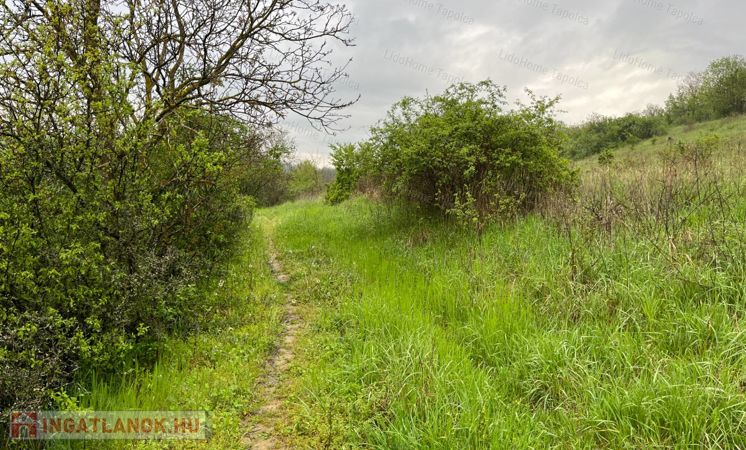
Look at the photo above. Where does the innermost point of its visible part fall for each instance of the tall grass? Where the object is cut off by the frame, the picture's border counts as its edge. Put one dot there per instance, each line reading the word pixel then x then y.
pixel 611 320
pixel 215 368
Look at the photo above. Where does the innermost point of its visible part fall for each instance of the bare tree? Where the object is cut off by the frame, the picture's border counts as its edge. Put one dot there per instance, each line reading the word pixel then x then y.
pixel 258 60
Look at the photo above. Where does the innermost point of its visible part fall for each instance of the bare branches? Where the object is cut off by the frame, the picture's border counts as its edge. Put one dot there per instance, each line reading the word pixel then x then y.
pixel 254 60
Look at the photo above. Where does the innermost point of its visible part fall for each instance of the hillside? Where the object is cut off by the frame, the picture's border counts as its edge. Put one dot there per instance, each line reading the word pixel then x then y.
pixel 731 130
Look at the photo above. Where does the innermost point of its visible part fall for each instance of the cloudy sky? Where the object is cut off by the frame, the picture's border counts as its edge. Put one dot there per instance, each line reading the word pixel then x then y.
pixel 609 56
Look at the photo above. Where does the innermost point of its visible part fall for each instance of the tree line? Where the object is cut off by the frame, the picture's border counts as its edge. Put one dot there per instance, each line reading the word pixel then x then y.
pixel 717 92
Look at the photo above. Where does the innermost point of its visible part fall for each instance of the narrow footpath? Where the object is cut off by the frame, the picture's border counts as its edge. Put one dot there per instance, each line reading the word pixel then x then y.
pixel 262 434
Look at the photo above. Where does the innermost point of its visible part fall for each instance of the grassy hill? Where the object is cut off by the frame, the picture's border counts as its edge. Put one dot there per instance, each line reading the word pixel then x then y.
pixel 731 130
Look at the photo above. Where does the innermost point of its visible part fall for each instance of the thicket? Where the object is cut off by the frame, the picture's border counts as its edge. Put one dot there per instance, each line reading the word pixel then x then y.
pixel 463 153
pixel 601 133
pixel 130 141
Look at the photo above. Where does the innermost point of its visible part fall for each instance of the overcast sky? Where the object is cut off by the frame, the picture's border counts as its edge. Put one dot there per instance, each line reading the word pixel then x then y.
pixel 605 56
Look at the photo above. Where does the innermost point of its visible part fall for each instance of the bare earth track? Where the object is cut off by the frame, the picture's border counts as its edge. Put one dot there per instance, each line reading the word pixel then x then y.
pixel 263 434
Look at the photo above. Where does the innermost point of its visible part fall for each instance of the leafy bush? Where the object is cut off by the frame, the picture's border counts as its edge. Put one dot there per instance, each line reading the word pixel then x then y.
pixel 462 153
pixel 125 151
pixel 352 164
pixel 99 263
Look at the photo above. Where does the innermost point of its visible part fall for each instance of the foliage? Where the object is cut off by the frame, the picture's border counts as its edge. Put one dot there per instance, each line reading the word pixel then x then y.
pixel 352 164
pixel 125 147
pixel 461 150
pixel 266 178
pixel 609 320
pixel 108 261
pixel 304 180
pixel 719 91
pixel 602 133
pixel 606 157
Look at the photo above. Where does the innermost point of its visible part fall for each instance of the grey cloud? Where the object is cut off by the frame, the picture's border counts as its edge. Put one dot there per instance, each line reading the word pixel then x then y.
pixel 626 51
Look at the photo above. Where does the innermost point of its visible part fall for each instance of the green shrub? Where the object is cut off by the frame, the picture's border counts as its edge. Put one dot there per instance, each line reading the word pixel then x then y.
pixel 462 153
pixel 352 164
pixel 606 157
pixel 103 240
pixel 125 160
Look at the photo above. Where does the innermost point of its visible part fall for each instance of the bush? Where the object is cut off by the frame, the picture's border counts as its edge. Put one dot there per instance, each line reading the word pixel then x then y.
pixel 124 153
pixel 461 153
pixel 352 164
pixel 105 236
pixel 101 251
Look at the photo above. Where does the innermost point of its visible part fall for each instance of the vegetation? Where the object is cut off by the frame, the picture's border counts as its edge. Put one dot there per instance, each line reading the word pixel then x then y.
pixel 482 292
pixel 306 180
pixel 461 153
pixel 718 92
pixel 608 321
pixel 130 134
pixel 601 133
pixel 216 369
pixel 273 178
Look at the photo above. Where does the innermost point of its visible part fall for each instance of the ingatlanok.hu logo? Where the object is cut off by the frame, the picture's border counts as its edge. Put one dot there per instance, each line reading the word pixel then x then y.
pixel 93 425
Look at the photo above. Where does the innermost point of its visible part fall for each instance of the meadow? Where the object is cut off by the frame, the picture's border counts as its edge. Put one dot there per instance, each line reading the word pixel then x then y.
pixel 474 273
pixel 607 319
pixel 613 323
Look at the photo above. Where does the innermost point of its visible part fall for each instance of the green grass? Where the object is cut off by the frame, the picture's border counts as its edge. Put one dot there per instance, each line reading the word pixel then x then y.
pixel 431 337
pixel 214 369
pixel 731 130
pixel 547 332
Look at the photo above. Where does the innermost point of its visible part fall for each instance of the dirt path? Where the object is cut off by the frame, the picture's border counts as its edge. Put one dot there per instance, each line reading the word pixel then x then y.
pixel 263 435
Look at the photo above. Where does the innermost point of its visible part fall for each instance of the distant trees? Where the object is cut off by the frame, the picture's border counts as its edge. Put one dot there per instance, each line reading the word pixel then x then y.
pixel 719 91
pixel 266 180
pixel 129 132
pixel 353 164
pixel 463 153
pixel 601 133
pixel 304 180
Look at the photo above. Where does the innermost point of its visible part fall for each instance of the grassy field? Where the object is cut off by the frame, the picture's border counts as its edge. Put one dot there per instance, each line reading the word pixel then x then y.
pixel 615 322
pixel 731 130
pixel 612 319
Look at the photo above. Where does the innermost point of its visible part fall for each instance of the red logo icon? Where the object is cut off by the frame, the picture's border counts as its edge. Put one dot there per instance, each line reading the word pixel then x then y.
pixel 23 425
